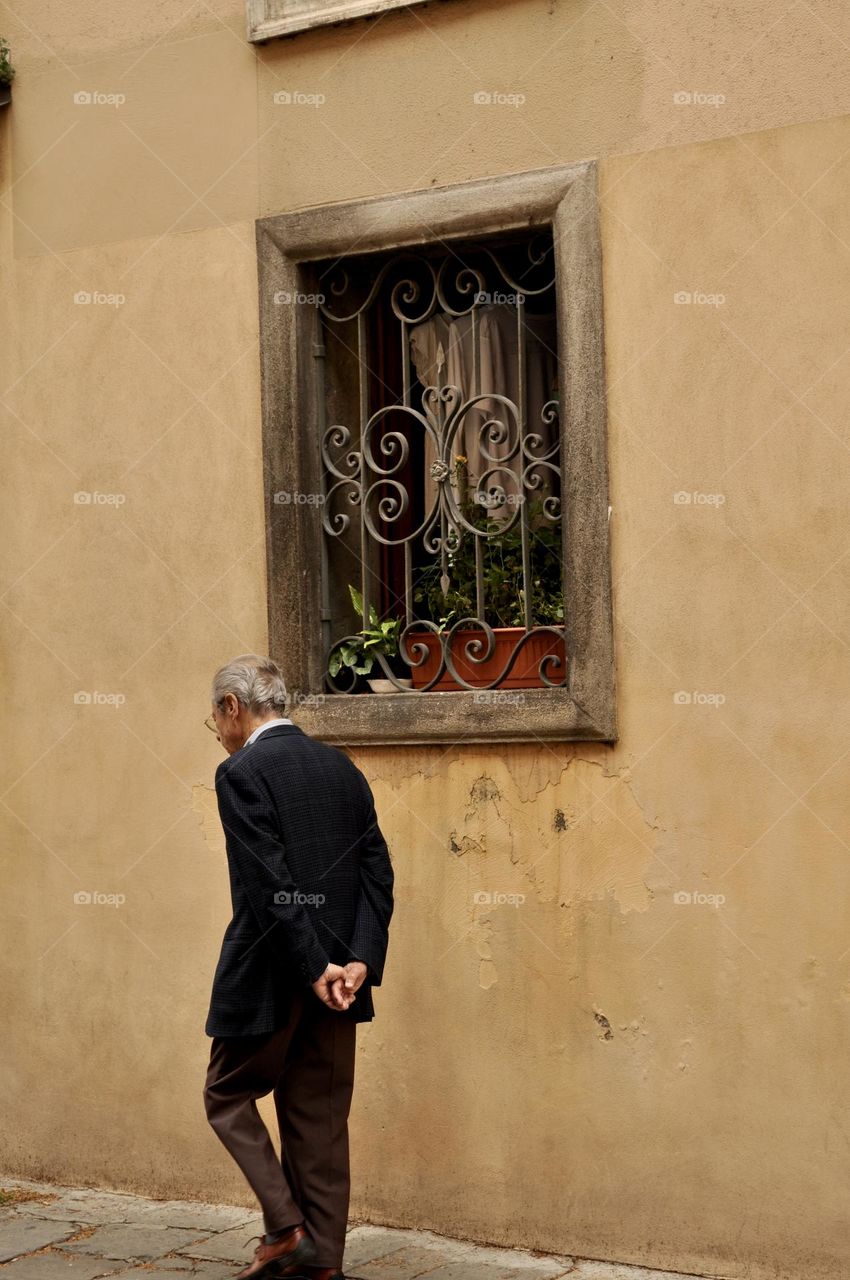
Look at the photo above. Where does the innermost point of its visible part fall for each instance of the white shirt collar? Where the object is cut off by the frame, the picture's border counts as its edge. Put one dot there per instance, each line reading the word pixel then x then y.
pixel 268 724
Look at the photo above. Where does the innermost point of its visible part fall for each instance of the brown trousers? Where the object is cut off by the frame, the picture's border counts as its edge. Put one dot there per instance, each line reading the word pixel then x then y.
pixel 309 1065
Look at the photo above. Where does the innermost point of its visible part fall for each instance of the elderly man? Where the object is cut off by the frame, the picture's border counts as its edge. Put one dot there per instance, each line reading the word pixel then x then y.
pixel 311 885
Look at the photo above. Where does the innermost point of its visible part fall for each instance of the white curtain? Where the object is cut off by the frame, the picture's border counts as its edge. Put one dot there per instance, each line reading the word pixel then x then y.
pixel 442 354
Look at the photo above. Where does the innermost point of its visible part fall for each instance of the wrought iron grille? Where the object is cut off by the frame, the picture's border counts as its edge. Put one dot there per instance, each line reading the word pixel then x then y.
pixel 441 468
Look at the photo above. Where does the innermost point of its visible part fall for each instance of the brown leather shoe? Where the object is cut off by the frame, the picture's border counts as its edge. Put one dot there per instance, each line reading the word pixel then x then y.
pixel 292 1251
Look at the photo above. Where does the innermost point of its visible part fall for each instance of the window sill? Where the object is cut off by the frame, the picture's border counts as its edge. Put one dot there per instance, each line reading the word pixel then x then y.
pixel 271 19
pixel 522 715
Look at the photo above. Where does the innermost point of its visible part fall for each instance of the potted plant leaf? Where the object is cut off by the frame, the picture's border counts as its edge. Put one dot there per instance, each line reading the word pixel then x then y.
pixel 503 585
pixel 7 73
pixel 359 652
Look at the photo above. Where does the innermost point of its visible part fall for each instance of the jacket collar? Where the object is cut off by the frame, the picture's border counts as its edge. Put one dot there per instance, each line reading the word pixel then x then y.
pixel 277 730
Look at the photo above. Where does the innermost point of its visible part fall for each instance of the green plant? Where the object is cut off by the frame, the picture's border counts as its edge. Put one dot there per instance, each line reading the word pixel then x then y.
pixel 502 569
pixel 359 652
pixel 7 71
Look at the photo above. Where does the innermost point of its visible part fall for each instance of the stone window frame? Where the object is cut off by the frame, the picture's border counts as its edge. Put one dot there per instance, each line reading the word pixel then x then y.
pixel 265 22
pixel 565 198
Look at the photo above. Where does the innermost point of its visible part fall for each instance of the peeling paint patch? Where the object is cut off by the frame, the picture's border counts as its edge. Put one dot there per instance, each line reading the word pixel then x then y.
pixel 606 1032
pixel 484 789
pixel 559 822
pixel 205 806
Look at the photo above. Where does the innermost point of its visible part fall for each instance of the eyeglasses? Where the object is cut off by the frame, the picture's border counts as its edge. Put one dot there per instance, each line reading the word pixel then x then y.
pixel 211 724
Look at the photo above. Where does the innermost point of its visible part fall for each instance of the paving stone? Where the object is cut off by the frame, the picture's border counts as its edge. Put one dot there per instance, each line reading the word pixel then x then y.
pixel 133 1241
pixel 367 1244
pixel 177 1269
pixel 403 1264
pixel 19 1235
pixel 191 1213
pixel 621 1271
pixel 80 1205
pixel 469 1269
pixel 209 1271
pixel 58 1266
pixel 364 1243
pixel 459 1257
pixel 27 1184
pixel 227 1246
pixel 147 1274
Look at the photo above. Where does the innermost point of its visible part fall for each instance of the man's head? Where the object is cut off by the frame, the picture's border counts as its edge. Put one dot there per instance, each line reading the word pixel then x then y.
pixel 246 692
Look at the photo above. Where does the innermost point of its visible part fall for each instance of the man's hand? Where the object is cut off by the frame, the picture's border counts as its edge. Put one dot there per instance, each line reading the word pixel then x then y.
pixel 331 988
pixel 355 976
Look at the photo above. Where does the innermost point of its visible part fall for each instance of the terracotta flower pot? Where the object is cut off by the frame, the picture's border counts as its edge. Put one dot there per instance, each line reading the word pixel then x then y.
pixel 524 674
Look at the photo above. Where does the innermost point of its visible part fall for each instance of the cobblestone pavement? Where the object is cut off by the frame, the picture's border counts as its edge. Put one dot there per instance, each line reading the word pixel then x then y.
pixel 83 1233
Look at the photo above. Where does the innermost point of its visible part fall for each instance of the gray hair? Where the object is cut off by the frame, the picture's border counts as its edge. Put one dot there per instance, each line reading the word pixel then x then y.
pixel 256 682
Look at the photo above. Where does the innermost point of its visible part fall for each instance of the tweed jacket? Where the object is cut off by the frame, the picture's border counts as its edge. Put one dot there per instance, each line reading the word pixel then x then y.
pixel 311 881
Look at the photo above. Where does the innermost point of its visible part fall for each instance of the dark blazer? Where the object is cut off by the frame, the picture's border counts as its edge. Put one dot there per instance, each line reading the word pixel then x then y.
pixel 310 880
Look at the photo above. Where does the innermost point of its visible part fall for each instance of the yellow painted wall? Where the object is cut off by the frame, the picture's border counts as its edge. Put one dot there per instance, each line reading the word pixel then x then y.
pixel 598 1069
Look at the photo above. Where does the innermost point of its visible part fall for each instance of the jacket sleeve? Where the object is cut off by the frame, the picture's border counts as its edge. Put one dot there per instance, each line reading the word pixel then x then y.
pixel 258 856
pixel 370 938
